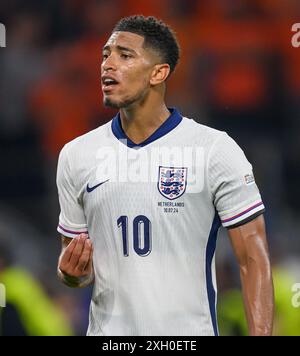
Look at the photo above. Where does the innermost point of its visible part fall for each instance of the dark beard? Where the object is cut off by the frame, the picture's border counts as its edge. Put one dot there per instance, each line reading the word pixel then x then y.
pixel 122 104
pixel 110 104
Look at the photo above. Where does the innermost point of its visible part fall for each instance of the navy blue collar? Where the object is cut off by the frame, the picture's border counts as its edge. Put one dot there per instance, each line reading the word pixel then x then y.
pixel 173 121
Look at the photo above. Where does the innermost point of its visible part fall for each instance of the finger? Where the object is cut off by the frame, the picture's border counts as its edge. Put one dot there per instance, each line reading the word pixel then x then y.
pixel 77 251
pixel 86 268
pixel 69 250
pixel 85 256
pixel 89 266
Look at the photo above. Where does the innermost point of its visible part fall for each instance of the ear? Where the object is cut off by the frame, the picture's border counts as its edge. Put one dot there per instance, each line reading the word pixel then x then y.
pixel 160 74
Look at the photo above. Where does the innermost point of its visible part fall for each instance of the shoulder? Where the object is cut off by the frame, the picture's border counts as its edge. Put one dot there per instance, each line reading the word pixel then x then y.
pixel 217 144
pixel 205 136
pixel 87 142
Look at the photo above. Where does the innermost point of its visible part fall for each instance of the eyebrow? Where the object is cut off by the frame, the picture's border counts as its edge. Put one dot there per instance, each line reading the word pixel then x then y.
pixel 120 48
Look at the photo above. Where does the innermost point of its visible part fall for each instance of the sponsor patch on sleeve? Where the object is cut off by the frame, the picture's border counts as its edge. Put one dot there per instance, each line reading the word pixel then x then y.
pixel 249 179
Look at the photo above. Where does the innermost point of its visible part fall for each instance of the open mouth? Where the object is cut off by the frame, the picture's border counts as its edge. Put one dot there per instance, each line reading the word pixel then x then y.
pixel 109 84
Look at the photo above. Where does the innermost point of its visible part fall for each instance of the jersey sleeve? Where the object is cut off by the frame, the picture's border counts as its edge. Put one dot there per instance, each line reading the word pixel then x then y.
pixel 235 194
pixel 72 221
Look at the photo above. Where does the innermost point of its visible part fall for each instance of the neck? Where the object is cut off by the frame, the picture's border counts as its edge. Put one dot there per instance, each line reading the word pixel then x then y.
pixel 140 121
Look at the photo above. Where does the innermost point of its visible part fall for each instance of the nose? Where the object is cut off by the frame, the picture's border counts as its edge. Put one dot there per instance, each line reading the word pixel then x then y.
pixel 108 64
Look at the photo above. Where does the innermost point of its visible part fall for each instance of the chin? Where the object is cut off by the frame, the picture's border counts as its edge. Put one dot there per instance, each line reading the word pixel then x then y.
pixel 109 102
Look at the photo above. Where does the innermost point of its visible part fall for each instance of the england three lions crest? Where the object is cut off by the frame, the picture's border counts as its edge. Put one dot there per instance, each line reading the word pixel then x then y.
pixel 172 182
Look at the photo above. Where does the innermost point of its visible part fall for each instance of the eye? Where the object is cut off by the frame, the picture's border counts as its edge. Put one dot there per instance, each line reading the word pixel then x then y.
pixel 125 56
pixel 104 56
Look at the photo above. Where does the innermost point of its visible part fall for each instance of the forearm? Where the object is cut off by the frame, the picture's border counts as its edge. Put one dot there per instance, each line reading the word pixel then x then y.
pixel 258 297
pixel 75 282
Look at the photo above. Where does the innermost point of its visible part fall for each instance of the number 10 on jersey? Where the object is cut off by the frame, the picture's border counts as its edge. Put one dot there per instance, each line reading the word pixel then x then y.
pixel 142 239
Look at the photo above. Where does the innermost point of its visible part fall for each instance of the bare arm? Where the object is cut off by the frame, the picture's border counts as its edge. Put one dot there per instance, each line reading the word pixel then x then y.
pixel 75 265
pixel 250 247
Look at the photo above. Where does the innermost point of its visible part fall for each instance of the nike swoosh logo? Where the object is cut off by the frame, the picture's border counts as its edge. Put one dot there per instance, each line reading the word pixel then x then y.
pixel 89 190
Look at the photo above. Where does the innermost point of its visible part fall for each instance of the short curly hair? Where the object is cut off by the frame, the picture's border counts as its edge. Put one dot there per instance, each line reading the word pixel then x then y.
pixel 158 36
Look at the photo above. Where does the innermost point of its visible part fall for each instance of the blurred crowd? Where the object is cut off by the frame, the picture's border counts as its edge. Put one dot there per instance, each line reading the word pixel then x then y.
pixel 238 73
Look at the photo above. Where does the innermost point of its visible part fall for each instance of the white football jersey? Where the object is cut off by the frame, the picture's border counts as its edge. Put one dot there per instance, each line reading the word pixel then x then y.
pixel 153 212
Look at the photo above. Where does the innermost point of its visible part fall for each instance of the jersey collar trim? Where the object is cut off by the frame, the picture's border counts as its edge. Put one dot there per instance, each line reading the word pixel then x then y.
pixel 170 124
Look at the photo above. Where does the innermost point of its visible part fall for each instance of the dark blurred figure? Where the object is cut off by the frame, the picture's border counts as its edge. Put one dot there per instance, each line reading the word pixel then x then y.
pixel 21 65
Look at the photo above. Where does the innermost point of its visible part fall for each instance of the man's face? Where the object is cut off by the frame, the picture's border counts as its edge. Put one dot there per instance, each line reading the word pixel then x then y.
pixel 126 70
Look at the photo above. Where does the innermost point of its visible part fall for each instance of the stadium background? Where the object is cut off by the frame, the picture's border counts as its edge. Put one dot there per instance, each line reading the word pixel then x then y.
pixel 238 72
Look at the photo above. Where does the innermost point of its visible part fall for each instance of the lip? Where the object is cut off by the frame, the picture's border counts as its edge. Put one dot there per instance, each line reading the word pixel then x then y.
pixel 108 88
pixel 105 77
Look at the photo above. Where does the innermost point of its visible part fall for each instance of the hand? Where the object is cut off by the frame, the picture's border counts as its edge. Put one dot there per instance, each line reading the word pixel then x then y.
pixel 76 260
